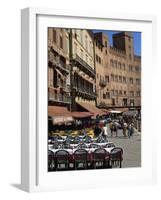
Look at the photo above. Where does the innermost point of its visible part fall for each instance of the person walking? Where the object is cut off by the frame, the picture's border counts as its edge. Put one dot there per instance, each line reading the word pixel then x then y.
pixel 97 131
pixel 125 129
pixel 105 132
pixel 129 130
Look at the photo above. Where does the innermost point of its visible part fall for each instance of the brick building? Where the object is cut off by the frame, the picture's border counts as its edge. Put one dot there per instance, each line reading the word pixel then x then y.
pixel 121 69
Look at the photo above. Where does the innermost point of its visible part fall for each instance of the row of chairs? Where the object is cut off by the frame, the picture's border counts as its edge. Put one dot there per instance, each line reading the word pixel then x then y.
pixel 100 158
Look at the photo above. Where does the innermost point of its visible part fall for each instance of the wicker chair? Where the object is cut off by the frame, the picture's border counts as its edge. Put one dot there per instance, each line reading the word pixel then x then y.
pixel 62 157
pixel 116 157
pixel 100 156
pixel 50 160
pixel 80 157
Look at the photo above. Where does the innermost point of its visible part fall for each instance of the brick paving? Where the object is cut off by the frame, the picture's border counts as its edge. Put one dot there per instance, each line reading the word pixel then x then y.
pixel 131 147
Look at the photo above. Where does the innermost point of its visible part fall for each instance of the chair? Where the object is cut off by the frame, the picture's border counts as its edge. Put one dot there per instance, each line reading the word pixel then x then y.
pixel 116 157
pixel 80 157
pixel 94 146
pixel 81 146
pixel 87 139
pixel 109 145
pixel 100 156
pixel 50 160
pixel 62 157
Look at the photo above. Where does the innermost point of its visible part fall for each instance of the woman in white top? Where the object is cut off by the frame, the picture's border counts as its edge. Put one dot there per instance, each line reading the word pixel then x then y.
pixel 105 132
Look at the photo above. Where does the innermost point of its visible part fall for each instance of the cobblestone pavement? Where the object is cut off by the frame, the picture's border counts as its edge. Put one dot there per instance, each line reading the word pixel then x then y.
pixel 131 148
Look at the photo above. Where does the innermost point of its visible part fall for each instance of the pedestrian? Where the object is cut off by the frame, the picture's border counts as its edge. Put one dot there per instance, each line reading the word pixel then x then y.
pixel 125 129
pixel 129 130
pixel 105 132
pixel 97 130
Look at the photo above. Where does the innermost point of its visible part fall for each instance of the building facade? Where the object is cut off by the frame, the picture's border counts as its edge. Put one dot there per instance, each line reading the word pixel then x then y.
pixel 82 68
pixel 122 72
pixel 58 67
pixel 101 65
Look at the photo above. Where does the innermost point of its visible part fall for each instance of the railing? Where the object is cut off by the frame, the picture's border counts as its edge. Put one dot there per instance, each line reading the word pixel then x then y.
pixel 84 64
pixel 87 91
pixel 59 98
pixel 102 83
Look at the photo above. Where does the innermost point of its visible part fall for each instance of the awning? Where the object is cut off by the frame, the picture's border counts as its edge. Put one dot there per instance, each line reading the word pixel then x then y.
pixel 115 111
pixel 91 108
pixel 81 114
pixel 58 111
pixel 118 110
pixel 105 111
pixel 59 114
pixel 123 109
pixel 62 120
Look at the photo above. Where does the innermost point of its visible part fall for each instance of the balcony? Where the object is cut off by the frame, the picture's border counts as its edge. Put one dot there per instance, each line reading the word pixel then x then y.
pixel 85 91
pixel 57 97
pixel 85 65
pixel 52 58
pixel 63 85
pixel 102 83
pixel 57 61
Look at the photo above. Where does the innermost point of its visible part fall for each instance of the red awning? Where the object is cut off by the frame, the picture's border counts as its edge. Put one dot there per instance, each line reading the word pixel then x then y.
pixel 59 114
pixel 91 108
pixel 81 114
pixel 58 111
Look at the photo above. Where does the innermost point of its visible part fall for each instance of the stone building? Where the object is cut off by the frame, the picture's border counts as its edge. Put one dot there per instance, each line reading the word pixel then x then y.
pixel 59 97
pixel 101 65
pixel 122 72
pixel 82 69
pixel 58 66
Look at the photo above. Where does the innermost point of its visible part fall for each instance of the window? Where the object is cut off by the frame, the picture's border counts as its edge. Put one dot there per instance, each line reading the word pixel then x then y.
pixel 105 43
pixel 116 92
pixel 125 93
pixel 138 93
pixel 54 36
pixel 130 68
pixel 104 96
pixel 82 53
pixel 61 42
pixel 111 63
pixel 130 56
pixel 120 78
pixel 137 68
pixel 86 43
pixel 116 78
pixel 124 79
pixel 107 78
pixel 99 60
pixel 86 58
pixel 137 81
pixel 119 65
pixel 124 68
pixel 115 64
pixel 75 48
pixel 112 92
pixel 96 58
pixel 107 95
pixel 120 92
pixel 131 93
pixel 131 80
pixel 112 77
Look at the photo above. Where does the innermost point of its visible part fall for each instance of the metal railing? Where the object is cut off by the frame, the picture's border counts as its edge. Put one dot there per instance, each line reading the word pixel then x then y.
pixel 102 83
pixel 84 64
pixel 59 98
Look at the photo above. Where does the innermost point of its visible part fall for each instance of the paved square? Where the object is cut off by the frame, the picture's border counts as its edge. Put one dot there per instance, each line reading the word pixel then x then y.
pixel 131 149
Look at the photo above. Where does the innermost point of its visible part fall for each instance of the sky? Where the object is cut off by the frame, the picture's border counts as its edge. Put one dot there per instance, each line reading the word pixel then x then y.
pixel 136 36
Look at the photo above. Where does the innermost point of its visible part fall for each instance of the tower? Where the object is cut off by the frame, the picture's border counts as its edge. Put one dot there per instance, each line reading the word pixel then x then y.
pixel 124 41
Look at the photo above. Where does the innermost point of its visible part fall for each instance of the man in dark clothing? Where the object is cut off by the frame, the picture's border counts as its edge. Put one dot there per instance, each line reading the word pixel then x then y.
pixel 97 130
